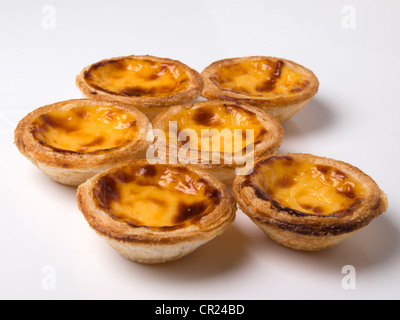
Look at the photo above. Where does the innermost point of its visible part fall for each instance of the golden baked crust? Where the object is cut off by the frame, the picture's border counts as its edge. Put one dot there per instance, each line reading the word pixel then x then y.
pixel 231 120
pixel 336 198
pixel 146 82
pixel 278 86
pixel 70 144
pixel 156 213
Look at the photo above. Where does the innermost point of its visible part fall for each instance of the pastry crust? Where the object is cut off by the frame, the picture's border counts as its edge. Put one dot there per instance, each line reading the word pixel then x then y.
pixel 222 166
pixel 73 168
pixel 145 96
pixel 281 104
pixel 303 230
pixel 146 243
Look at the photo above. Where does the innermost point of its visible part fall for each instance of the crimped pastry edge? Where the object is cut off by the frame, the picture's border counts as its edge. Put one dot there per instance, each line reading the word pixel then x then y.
pixel 311 232
pixel 224 171
pixel 74 168
pixel 155 245
pixel 282 108
pixel 150 106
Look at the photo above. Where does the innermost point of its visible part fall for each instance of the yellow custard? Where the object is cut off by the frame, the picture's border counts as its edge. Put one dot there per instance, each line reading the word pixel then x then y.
pixel 155 195
pixel 85 129
pixel 261 77
pixel 217 128
pixel 306 187
pixel 137 77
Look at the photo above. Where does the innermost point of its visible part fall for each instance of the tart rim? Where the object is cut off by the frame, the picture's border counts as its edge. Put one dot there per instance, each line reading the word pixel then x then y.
pixel 205 227
pixel 211 91
pixel 30 147
pixel 192 92
pixel 261 149
pixel 263 212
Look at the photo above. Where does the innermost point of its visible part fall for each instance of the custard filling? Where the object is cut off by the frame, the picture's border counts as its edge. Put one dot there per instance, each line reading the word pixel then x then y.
pixel 215 128
pixel 305 187
pixel 155 195
pixel 85 129
pixel 137 78
pixel 261 77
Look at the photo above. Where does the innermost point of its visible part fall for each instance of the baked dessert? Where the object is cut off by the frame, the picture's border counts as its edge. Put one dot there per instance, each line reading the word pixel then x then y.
pixel 145 82
pixel 221 137
pixel 156 213
pixel 307 202
pixel 72 140
pixel 278 86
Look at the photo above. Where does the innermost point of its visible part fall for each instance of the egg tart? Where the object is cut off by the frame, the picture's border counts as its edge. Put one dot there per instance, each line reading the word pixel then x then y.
pixel 70 141
pixel 145 82
pixel 222 137
pixel 307 202
pixel 278 86
pixel 156 213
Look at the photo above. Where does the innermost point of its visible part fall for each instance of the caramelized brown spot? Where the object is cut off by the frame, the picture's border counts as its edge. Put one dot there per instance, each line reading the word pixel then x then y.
pixel 323 169
pixel 306 206
pixel 82 114
pixel 186 211
pixel 286 182
pixel 260 193
pixel 318 210
pixel 147 171
pixel 117 64
pixel 205 117
pixel 137 91
pixel 269 84
pixel 50 122
pixel 96 141
pixel 105 192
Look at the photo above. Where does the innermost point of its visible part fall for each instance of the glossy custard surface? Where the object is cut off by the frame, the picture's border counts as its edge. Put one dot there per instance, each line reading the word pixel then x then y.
pixel 218 128
pixel 137 77
pixel 85 129
pixel 261 77
pixel 306 187
pixel 155 195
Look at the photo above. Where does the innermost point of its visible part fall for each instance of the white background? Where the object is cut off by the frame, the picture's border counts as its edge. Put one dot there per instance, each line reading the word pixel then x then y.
pixel 354 118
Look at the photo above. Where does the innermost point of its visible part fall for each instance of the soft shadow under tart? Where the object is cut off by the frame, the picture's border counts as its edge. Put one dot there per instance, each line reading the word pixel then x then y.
pixel 307 202
pixel 154 213
pixel 71 141
pixel 146 82
pixel 278 86
pixel 245 134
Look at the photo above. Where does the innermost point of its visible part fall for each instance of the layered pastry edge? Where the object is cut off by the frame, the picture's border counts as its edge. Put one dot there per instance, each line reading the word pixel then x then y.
pixel 69 167
pixel 191 92
pixel 280 106
pixel 149 244
pixel 269 143
pixel 310 231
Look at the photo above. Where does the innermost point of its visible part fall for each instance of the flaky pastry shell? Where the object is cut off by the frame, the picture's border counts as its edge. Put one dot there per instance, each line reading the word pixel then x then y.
pixel 146 243
pixel 142 92
pixel 73 168
pixel 319 229
pixel 223 166
pixel 282 91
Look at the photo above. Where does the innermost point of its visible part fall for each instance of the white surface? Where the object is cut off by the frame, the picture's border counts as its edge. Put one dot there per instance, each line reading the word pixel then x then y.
pixel 353 118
